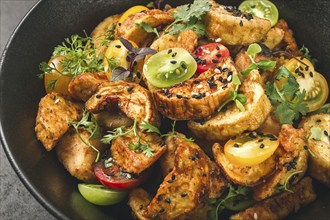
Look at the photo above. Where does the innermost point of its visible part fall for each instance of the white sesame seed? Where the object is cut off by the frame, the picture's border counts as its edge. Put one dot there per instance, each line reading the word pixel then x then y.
pixel 218 40
pixel 255 216
pixel 57 100
pixel 217 71
pixel 199 86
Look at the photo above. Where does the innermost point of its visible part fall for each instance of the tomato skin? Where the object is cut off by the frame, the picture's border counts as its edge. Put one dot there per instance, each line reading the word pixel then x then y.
pixel 113 179
pixel 208 55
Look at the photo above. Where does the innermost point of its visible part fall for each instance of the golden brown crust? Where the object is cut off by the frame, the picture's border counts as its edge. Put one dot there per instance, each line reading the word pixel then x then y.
pixel 76 156
pixel 233 121
pixel 234 30
pixel 278 207
pixel 154 18
pixel 197 97
pixel 184 188
pixel 319 162
pixel 131 98
pixel 136 162
pixel 244 175
pixel 138 201
pixel 85 85
pixel 289 41
pixel 54 113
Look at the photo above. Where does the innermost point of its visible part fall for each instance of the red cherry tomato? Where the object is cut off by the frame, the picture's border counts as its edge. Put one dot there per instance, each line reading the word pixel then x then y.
pixel 208 55
pixel 114 178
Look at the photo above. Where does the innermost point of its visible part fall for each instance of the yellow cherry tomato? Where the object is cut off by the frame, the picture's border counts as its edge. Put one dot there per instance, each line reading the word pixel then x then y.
pixel 117 55
pixel 55 81
pixel 131 11
pixel 314 83
pixel 251 148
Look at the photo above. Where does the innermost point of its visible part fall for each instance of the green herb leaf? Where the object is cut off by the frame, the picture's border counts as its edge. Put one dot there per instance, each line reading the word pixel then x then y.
pixel 149 128
pixel 251 67
pixel 253 50
pixel 306 54
pixel 266 64
pixel 146 27
pixel 236 81
pixel 316 133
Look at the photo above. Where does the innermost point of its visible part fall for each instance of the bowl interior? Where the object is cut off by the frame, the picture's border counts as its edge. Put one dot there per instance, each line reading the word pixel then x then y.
pixel 33 42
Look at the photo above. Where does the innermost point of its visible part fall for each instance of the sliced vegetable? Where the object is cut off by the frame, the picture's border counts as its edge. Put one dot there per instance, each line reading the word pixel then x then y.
pixel 55 80
pixel 261 8
pixel 111 176
pixel 169 67
pixel 314 83
pixel 100 195
pixel 208 55
pixel 131 11
pixel 250 149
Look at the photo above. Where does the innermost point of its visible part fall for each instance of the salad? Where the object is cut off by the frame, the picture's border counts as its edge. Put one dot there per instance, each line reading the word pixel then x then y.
pixel 215 106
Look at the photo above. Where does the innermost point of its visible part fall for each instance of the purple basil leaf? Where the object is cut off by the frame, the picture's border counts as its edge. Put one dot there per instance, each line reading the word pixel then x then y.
pixel 119 73
pixel 139 57
pixel 145 51
pixel 126 44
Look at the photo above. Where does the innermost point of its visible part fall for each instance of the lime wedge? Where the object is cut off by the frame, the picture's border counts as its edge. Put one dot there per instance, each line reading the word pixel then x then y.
pixel 100 195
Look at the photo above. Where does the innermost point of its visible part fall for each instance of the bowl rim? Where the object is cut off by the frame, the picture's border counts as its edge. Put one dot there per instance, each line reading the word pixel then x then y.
pixel 33 191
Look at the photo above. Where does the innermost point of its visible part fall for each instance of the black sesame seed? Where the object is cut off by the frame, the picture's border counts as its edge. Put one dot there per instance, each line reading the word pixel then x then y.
pixel 236 145
pixel 183 194
pixel 128 58
pixel 311 74
pixel 217 47
pixel 174 54
pixel 203 62
pixel 196 81
pixel 98 96
pixel 306 147
pixel 225 86
pixel 197 155
pixel 193 158
pixel 118 46
pixel 168 200
pixel 179 96
pixel 197 96
pixel 262 146
pixel 251 135
pixel 318 120
pixel 173 61
pixel 184 66
pixel 129 89
pixel 161 210
pixel 169 51
pixel 215 61
pixel 260 134
pixel 260 140
pixel 325 133
pixel 224 69
pixel 218 55
pixel 160 198
pixel 241 23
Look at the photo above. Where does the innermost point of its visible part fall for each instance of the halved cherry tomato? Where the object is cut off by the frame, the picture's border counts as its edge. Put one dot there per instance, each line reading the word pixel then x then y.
pixel 55 81
pixel 169 67
pixel 261 8
pixel 114 178
pixel 251 148
pixel 208 55
pixel 117 54
pixel 314 83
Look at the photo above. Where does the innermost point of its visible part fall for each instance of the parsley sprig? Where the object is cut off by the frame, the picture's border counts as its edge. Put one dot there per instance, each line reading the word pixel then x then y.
pixel 89 122
pixel 287 100
pixel 189 17
pixel 252 51
pixel 137 146
pixel 237 192
pixel 147 28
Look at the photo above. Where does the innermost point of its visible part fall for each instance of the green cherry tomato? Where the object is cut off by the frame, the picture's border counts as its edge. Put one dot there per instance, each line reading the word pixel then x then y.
pixel 260 8
pixel 101 195
pixel 169 67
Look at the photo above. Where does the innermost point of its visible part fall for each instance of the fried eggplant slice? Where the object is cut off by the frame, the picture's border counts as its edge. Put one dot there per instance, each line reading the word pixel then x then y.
pixel 234 27
pixel 197 97
pixel 131 98
pixel 319 163
pixel 136 160
pixel 154 18
pixel 85 85
pixel 76 156
pixel 104 32
pixel 185 187
pixel 217 183
pixel 292 163
pixel 233 121
pixel 53 119
pixel 279 206
pixel 244 175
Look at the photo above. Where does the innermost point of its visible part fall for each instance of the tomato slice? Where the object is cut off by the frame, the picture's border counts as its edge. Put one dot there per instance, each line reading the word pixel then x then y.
pixel 101 195
pixel 114 178
pixel 261 8
pixel 55 81
pixel 314 83
pixel 208 55
pixel 251 148
pixel 169 67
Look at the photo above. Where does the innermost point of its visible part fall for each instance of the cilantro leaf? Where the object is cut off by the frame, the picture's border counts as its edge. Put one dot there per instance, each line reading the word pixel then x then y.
pixel 253 50
pixel 146 27
pixel 149 128
pixel 251 67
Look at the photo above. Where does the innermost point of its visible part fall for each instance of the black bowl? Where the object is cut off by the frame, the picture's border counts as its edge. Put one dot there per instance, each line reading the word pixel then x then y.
pixel 33 41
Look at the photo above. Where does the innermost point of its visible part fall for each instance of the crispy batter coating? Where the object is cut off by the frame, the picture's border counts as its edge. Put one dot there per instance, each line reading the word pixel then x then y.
pixel 319 164
pixel 289 42
pixel 278 207
pixel 76 156
pixel 85 85
pixel 54 113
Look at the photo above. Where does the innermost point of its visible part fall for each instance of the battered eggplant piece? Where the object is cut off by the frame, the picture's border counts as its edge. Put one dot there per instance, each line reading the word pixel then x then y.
pixel 154 18
pixel 132 161
pixel 85 85
pixel 233 121
pixel 292 163
pixel 53 119
pixel 234 27
pixel 280 206
pixel 197 97
pixel 76 156
pixel 131 98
